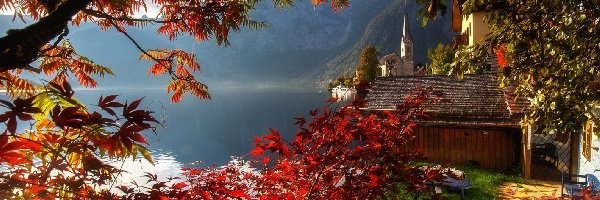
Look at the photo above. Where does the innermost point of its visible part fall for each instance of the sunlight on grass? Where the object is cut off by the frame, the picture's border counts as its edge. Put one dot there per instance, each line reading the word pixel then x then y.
pixel 486 185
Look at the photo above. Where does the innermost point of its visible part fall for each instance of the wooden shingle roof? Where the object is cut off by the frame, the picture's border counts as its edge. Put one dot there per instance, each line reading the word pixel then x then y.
pixel 474 101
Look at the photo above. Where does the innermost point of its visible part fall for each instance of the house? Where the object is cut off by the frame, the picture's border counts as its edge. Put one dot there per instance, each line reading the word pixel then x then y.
pixel 388 65
pixel 479 123
pixel 472 28
pixel 587 156
pixel 475 122
pixel 343 92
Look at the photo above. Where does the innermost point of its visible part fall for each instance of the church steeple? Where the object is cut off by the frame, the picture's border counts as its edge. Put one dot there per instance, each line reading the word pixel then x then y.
pixel 406 47
pixel 405 28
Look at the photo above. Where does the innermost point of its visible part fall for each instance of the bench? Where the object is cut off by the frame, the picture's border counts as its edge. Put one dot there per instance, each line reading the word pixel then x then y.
pixel 456 185
pixel 573 185
pixel 451 184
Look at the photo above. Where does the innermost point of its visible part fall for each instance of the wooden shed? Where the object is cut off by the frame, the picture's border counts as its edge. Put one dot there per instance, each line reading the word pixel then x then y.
pixel 475 122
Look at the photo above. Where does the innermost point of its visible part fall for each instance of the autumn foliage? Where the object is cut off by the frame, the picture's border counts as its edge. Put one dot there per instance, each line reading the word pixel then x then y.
pixel 58 155
pixel 336 154
pixel 55 147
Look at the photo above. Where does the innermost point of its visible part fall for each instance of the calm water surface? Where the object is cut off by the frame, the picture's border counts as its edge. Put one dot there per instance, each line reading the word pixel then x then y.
pixel 211 131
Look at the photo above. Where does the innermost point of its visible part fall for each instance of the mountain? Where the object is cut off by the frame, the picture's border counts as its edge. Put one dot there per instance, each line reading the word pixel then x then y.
pixel 303 44
pixel 384 31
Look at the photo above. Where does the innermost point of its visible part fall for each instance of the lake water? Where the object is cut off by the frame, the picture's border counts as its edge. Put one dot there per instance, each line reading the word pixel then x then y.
pixel 213 130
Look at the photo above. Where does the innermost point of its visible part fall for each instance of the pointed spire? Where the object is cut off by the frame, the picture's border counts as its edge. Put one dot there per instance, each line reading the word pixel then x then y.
pixel 405 28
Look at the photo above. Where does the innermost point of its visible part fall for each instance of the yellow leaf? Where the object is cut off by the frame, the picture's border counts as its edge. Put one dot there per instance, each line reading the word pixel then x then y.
pixel 74 159
pixel 145 153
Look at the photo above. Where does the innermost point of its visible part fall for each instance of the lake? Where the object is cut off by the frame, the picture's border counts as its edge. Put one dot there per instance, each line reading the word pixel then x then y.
pixel 211 131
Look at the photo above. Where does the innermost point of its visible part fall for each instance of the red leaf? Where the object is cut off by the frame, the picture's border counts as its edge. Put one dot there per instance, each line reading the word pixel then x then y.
pixel 14 145
pixel 257 151
pixel 24 117
pixel 3 140
pixel 179 185
pixel 205 195
pixel 134 105
pixel 374 181
pixel 138 138
pixel 107 103
pixel 274 136
pixel 26 144
pixel 265 160
pixel 501 54
pixel 12 124
pixel 64 89
pixel 12 158
pixel 109 98
pixel 315 112
pixel 127 142
pixel 303 134
pixel 300 121
pixel 238 194
pixel 4 117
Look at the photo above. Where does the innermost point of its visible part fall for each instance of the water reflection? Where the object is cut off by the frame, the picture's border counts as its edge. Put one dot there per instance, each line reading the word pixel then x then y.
pixel 213 131
pixel 165 166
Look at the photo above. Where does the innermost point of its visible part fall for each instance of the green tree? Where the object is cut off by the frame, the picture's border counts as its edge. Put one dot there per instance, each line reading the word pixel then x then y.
pixel 342 80
pixel 550 49
pixel 347 81
pixel 441 59
pixel 367 70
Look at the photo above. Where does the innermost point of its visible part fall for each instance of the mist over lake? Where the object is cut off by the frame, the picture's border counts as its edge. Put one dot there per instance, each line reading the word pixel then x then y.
pixel 213 130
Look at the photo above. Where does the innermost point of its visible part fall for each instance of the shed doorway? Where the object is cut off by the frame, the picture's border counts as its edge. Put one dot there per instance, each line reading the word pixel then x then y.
pixel 550 155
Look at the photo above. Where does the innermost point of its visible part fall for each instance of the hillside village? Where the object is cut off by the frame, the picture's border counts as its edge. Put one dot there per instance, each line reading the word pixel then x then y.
pixel 476 122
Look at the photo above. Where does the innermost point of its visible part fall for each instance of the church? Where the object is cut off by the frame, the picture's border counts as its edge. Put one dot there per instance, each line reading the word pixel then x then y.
pixel 403 65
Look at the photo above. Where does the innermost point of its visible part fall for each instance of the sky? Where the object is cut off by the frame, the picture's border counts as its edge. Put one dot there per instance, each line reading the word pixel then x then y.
pixel 151 12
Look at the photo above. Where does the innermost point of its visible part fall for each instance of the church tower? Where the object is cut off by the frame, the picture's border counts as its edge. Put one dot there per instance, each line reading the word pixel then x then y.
pixel 406 48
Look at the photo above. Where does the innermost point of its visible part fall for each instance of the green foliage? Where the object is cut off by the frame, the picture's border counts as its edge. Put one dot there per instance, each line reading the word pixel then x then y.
pixel 551 50
pixel 430 9
pixel 254 25
pixel 441 59
pixel 367 70
pixel 486 185
pixel 343 81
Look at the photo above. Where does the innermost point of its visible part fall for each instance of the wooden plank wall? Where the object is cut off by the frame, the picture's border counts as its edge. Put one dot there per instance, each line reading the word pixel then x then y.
pixel 493 149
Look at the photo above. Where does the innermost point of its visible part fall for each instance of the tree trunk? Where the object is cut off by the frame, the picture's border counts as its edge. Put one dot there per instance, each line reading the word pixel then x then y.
pixel 20 47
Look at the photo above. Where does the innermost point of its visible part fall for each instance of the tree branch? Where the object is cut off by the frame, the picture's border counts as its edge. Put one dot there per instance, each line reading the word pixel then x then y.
pixel 21 47
pixel 58 40
pixel 103 15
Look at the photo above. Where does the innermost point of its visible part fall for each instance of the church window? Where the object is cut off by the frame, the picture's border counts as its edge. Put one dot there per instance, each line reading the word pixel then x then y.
pixel 469 31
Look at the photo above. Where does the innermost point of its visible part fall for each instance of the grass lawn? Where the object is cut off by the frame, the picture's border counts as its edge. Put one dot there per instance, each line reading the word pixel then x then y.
pixel 485 182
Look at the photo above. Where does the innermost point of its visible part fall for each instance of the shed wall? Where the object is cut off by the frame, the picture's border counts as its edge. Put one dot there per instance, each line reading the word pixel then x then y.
pixel 493 149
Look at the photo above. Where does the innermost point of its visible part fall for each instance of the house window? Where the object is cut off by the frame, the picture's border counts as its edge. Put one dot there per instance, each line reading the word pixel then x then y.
pixel 469 30
pixel 588 131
